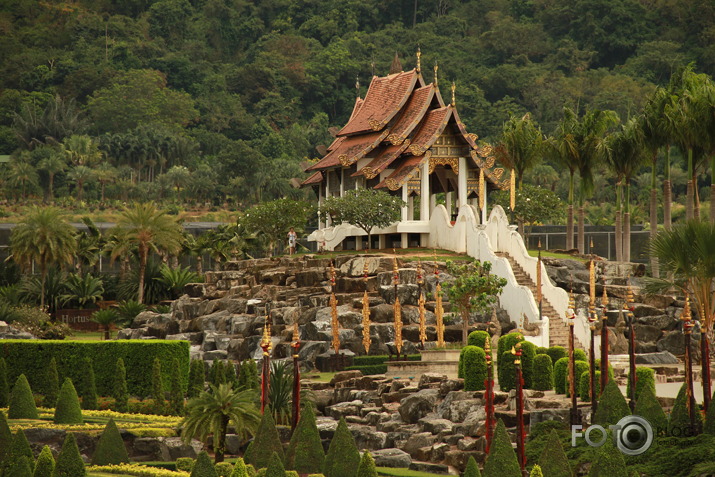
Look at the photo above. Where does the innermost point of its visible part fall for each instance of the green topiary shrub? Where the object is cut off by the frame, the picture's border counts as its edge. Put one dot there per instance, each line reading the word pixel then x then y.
pixel 251 470
pixel 223 469
pixel 110 447
pixel 22 402
pixel 612 406
pixel 176 394
pixel 230 377
pixel 343 458
pixel 553 460
pixel 197 377
pixel 501 461
pixel 460 364
pixel 477 338
pixel 275 467
pixel 610 369
pixel 4 384
pixel 579 355
pixel 556 353
pixel 264 444
pixel 507 371
pixel 367 466
pixel 305 451
pixel 542 350
pixel 292 473
pixel 505 344
pixel 239 469
pixel 119 392
pixel 89 387
pixel 68 410
pixel 5 439
pixel 649 408
pixel 20 448
pixel 203 466
pixel 216 373
pixel 645 377
pixel 528 353
pixel 472 469
pixel 52 385
pixel 679 419
pixel 561 368
pixel 580 367
pixel 157 388
pixel 584 386
pixel 536 472
pixel 609 460
pixel 185 464
pixel 20 467
pixel 69 461
pixel 45 465
pixel 474 361
pixel 248 377
pixel 543 377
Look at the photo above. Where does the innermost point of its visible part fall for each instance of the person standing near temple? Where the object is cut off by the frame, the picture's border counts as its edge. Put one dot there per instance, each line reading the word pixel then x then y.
pixel 292 240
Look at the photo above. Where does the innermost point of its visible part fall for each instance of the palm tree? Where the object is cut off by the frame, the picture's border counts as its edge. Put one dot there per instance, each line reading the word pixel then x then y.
pixel 82 289
pixel 52 165
pixel 82 150
pixel 81 175
pixel 626 155
pixel 106 318
pixel 105 174
pixel 197 247
pixel 150 229
pixel 22 174
pixel 43 237
pixel 213 411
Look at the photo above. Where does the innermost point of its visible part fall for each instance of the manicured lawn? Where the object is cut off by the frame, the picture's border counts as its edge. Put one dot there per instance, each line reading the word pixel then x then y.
pixel 400 472
pixel 320 377
pixel 90 335
pixel 561 256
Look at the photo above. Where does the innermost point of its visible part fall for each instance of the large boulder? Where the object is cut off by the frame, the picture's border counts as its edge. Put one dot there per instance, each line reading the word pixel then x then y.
pixel 673 342
pixel 391 458
pixel 415 407
pixel 367 437
pixel 417 441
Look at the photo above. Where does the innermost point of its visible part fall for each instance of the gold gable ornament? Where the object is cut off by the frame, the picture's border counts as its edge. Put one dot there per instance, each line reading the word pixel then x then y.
pixel 512 190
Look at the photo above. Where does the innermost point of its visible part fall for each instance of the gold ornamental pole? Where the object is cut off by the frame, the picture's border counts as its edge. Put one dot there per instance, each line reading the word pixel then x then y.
pixel 438 310
pixel 572 363
pixel 592 319
pixel 397 308
pixel 539 295
pixel 421 303
pixel 366 341
pixel 481 189
pixel 512 190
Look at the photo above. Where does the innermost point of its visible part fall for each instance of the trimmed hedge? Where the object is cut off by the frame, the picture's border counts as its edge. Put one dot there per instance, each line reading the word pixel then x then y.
pixel 369 369
pixel 223 469
pixel 580 355
pixel 472 469
pixel 477 338
pixel 52 387
pixel 22 402
pixel 4 384
pixel 536 471
pixel 584 385
pixel 45 464
pixel 580 367
pixel 21 467
pixel 5 439
pixel 561 371
pixel 110 448
pixel 609 462
pixel 197 377
pixel 679 419
pixel 556 353
pixel 30 358
pixel 473 361
pixel 649 408
pixel 20 448
pixel 645 378
pixel 119 390
pixel 68 410
pixel 89 386
pixel 203 466
pixel 275 466
pixel 543 374
pixel 367 466
pixel 368 360
pixel 239 469
pixel 528 353
pixel 264 444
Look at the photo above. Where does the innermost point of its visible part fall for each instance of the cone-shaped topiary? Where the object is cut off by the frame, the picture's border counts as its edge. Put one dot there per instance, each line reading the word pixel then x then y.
pixel 68 410
pixel 110 448
pixel 580 367
pixel 223 469
pixel 477 338
pixel 612 406
pixel 22 403
pixel 585 386
pixel 472 469
pixel 89 387
pixel 264 444
pixel 69 461
pixel 45 464
pixel 275 467
pixel 475 368
pixel 157 388
pixel 556 353
pixel 305 451
pixel 343 458
pixel 543 379
pixel 553 460
pixel 645 377
pixel 20 448
pixel 176 394
pixel 239 469
pixel 649 408
pixel 679 420
pixel 52 385
pixel 229 370
pixel 197 377
pixel 5 438
pixel 536 472
pixel 501 461
pixel 4 385
pixel 528 353
pixel 203 466
pixel 367 466
pixel 20 467
pixel 609 461
pixel 120 392
pixel 248 377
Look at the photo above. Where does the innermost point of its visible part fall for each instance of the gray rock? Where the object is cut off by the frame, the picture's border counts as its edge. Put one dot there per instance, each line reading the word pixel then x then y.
pixel 178 449
pixel 416 441
pixel 215 354
pixel 435 426
pixel 647 333
pixel 662 322
pixel 415 407
pixel 326 427
pixel 662 357
pixel 429 468
pixel 391 458
pixel 367 438
pixel 673 342
pixel 344 409
pixel 428 379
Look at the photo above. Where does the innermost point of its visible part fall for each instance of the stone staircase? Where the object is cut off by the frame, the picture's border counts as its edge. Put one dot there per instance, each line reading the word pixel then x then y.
pixel 558 329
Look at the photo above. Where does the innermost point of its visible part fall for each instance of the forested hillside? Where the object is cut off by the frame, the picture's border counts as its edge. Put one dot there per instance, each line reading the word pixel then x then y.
pixel 220 100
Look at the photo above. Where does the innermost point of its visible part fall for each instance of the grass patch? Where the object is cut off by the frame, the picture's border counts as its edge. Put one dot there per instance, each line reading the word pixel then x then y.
pixel 560 256
pixel 400 472
pixel 90 335
pixel 319 377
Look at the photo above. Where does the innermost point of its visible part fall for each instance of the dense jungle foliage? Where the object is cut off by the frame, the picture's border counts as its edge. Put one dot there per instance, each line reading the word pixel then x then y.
pixel 219 101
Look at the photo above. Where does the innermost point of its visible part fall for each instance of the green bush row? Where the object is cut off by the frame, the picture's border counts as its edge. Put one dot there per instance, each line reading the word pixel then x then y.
pixel 380 359
pixel 369 369
pixel 32 358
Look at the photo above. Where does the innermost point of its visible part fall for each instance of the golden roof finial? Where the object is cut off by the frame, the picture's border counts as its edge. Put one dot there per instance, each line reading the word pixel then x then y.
pixel 454 99
pixel 436 83
pixel 539 244
pixel 357 85
pixel 419 63
pixel 296 336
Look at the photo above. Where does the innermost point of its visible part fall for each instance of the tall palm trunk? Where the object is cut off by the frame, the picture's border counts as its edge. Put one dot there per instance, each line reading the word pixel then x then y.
pixel 627 225
pixel 220 447
pixel 200 264
pixel 696 197
pixel 43 279
pixel 51 188
pixel 655 269
pixel 619 237
pixel 581 231
pixel 667 191
pixel 143 252
pixel 689 212
pixel 569 217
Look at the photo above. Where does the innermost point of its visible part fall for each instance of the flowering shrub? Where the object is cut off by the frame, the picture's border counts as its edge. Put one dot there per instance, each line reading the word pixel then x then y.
pixel 136 470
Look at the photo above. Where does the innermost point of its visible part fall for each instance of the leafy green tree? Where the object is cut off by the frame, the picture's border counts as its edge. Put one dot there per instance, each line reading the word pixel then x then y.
pixel 22 403
pixel 553 460
pixel 272 220
pixel 280 392
pixel 473 290
pixel 365 209
pixel 343 458
pixel 533 205
pixel 45 238
pixel 82 289
pixel 305 451
pixel 175 279
pixel 502 461
pixel 150 229
pixel 120 391
pixel 107 318
pixel 197 377
pixel 52 165
pixel 248 376
pixel 68 410
pixel 45 465
pixel 520 146
pixel 212 412
pixel 110 447
pixel 22 175
pixel 536 471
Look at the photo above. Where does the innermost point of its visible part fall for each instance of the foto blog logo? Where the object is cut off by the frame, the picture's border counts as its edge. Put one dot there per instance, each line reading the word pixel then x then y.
pixel 632 435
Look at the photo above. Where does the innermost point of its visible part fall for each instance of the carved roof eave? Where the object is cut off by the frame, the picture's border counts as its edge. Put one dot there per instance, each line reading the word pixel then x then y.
pixel 419 149
pixel 378 164
pixel 343 160
pixel 471 138
pixel 314 179
pixel 483 158
pixel 397 140
pixel 399 177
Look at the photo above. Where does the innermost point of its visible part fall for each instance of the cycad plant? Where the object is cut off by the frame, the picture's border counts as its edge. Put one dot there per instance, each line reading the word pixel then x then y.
pixel 106 318
pixel 175 279
pixel 82 289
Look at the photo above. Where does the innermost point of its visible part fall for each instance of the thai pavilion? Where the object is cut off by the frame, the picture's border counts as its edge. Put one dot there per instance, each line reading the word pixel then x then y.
pixel 403 138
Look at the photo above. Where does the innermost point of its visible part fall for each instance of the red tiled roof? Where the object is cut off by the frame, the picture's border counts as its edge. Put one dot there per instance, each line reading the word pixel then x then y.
pixel 432 126
pixel 336 142
pixel 349 150
pixel 384 99
pixel 412 114
pixel 402 173
pixel 471 138
pixel 381 161
pixel 314 178
pixel 358 104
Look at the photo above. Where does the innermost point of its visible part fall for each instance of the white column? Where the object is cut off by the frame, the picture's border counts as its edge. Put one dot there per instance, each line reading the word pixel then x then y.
pixel 404 199
pixel 404 240
pixel 424 192
pixel 462 183
pixel 358 242
pixel 411 207
pixel 381 241
pixel 328 220
pixel 342 182
pixel 320 204
pixel 432 202
pixel 448 203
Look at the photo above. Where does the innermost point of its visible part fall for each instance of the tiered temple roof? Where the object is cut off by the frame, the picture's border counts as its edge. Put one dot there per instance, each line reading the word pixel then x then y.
pixel 398 125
